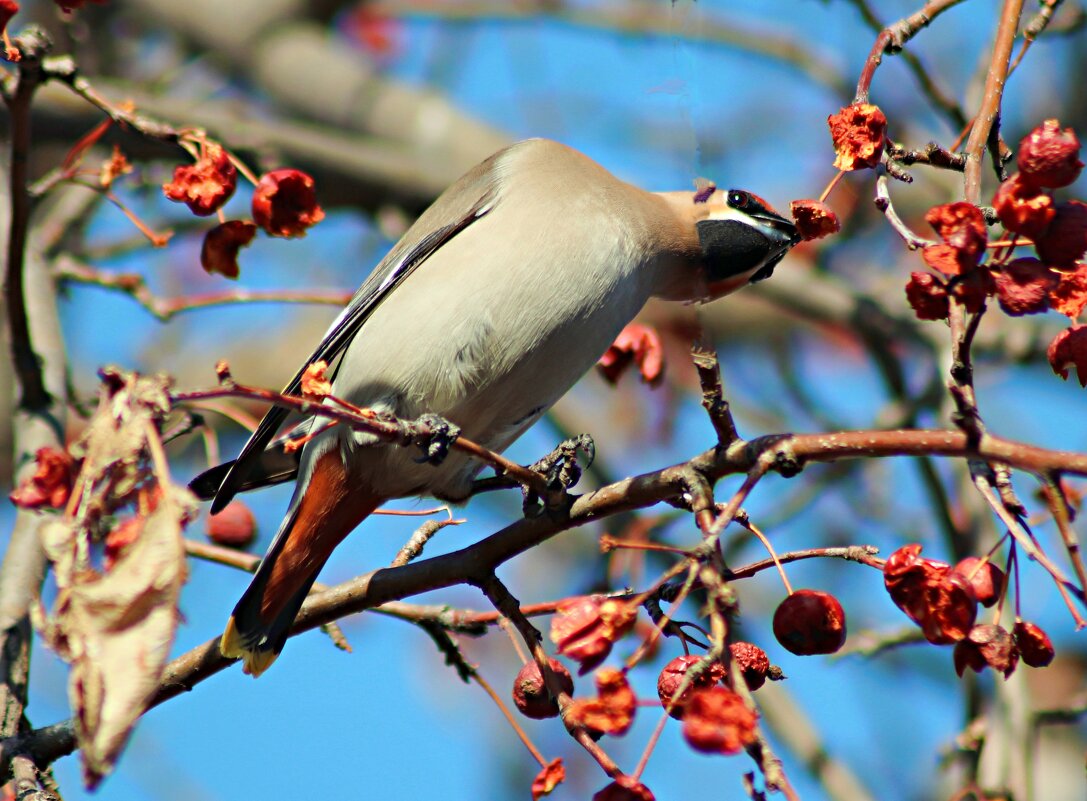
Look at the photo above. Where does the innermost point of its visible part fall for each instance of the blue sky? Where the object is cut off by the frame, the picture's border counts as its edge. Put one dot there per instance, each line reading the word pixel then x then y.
pixel 390 720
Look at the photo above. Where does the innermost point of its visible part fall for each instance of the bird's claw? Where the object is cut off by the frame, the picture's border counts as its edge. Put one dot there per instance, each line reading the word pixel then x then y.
pixel 560 469
pixel 434 435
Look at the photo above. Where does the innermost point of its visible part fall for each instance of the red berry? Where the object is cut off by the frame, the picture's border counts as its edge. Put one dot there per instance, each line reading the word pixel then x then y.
pixel 1023 286
pixel 671 677
pixel 285 203
pixel 986 579
pixel 624 788
pixel 1034 644
pixel 206 185
pixel 927 297
pixel 1049 156
pixel 717 721
pixel 859 133
pixel 1022 208
pixel 530 693
pixel 810 622
pixel 753 661
pixel 1068 350
pixel 814 219
pixel 234 526
pixel 1065 240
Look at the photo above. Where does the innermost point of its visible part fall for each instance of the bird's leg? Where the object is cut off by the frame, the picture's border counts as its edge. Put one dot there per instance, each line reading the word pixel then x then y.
pixel 560 470
pixel 434 435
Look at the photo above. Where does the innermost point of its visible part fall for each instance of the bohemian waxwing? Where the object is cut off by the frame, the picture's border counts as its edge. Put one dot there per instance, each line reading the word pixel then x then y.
pixel 500 296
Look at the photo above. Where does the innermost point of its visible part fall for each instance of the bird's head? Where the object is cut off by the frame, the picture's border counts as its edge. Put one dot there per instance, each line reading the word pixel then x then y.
pixel 740 239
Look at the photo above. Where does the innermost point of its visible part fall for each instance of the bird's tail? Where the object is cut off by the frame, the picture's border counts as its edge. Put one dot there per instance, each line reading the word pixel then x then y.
pixel 325 510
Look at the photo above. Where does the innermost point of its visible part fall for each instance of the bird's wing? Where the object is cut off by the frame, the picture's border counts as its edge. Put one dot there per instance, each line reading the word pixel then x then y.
pixel 472 197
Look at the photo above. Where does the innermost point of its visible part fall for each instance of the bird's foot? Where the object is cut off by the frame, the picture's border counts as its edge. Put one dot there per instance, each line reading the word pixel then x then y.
pixel 561 470
pixel 434 435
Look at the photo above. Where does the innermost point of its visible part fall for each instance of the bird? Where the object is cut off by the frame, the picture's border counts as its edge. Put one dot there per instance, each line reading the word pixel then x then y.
pixel 499 297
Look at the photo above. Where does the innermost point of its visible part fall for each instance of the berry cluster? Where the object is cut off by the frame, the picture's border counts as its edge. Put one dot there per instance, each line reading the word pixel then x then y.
pixel 943 600
pixel 1054 278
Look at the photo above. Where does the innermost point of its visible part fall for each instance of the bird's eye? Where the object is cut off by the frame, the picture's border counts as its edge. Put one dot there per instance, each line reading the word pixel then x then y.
pixel 738 200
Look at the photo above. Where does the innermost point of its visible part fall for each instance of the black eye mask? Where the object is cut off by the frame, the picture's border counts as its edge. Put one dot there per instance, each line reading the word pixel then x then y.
pixel 731 247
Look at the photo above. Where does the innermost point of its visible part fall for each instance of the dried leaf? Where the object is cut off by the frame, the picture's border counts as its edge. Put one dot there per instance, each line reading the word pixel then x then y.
pixel 116 629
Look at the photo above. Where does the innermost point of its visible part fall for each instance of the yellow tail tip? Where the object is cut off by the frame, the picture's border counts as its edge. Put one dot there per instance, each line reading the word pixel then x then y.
pixel 232 646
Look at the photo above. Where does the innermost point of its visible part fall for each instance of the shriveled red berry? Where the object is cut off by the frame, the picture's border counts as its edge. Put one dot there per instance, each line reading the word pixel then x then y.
pixel 859 133
pixel 753 661
pixel 814 219
pixel 636 344
pixel 206 185
pixel 973 288
pixel 585 628
pixel 986 579
pixel 1023 208
pixel 530 693
pixel 1034 644
pixel 624 788
pixel 1069 297
pixel 987 645
pixel 1065 240
pixel 219 253
pixel 671 677
pixel 285 203
pixel 962 227
pixel 1023 286
pixel 810 622
pixel 717 721
pixel 234 526
pixel 612 710
pixel 51 483
pixel 550 776
pixel 1068 351
pixel 941 602
pixel 1049 156
pixel 927 297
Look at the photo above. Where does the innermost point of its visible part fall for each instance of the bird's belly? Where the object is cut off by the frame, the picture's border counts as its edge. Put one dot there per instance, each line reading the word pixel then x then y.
pixel 484 372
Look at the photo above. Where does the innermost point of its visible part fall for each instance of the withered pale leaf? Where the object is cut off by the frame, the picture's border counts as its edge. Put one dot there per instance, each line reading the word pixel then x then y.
pixel 116 630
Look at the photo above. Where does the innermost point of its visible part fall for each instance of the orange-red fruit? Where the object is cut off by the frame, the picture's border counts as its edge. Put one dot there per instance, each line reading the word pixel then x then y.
pixel 206 185
pixel 986 579
pixel 810 622
pixel 859 133
pixel 717 721
pixel 625 788
pixel 1065 241
pixel 753 661
pixel 234 526
pixel 1023 287
pixel 285 203
pixel 1049 156
pixel 814 219
pixel 927 297
pixel 530 693
pixel 1034 644
pixel 671 677
pixel 1023 208
pixel 1068 350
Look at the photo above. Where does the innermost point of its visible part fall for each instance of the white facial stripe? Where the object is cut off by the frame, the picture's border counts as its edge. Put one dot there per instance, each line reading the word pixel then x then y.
pixel 728 213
